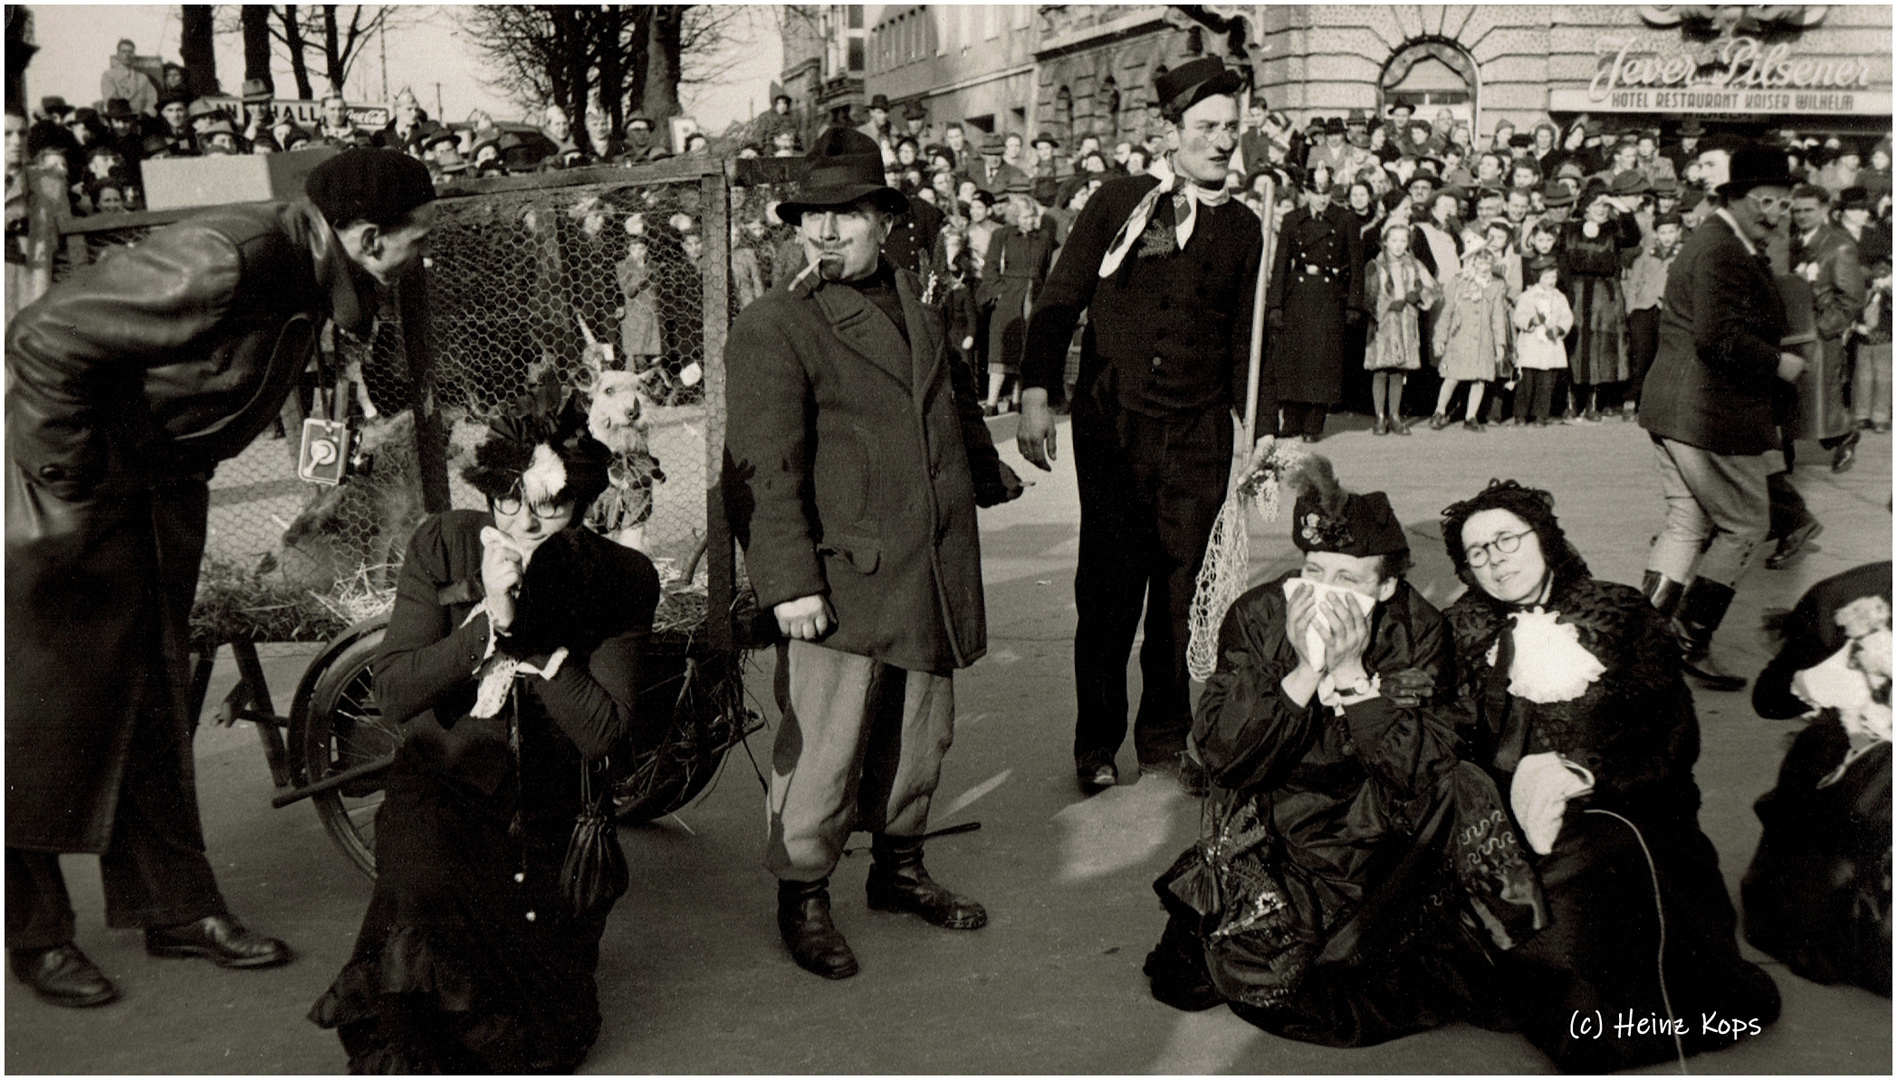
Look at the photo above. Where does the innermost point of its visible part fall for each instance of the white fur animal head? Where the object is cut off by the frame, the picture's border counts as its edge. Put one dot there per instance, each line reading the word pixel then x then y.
pixel 617 416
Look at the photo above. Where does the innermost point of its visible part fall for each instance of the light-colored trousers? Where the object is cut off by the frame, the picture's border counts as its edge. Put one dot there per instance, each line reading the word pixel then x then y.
pixel 1715 502
pixel 860 746
pixel 1870 385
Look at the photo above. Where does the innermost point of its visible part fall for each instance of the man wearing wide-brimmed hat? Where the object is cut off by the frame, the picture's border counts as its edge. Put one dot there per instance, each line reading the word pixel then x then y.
pixel 1165 269
pixel 1711 403
pixel 989 172
pixel 855 458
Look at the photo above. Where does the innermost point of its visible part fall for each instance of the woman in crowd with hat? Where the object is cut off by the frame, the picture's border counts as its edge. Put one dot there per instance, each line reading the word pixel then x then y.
pixel 1347 856
pixel 1570 695
pixel 1019 255
pixel 511 665
pixel 1591 252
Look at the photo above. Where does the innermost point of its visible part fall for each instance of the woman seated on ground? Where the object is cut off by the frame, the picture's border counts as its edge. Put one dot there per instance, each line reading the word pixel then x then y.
pixel 1570 695
pixel 1818 894
pixel 1329 898
pixel 511 665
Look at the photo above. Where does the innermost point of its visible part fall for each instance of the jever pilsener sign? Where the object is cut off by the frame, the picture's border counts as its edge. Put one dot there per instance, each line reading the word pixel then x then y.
pixel 1732 75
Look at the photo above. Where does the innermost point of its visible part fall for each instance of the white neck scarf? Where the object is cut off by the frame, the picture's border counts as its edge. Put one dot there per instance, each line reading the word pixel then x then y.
pixel 1187 197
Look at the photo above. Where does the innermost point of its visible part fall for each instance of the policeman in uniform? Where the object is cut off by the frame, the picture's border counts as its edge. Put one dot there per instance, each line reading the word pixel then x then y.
pixel 1316 290
pixel 1165 269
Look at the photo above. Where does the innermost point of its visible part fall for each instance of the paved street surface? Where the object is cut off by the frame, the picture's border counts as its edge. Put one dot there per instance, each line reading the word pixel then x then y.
pixel 692 976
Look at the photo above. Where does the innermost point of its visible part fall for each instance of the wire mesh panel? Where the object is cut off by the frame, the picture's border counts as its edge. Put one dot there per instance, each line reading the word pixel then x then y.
pixel 569 279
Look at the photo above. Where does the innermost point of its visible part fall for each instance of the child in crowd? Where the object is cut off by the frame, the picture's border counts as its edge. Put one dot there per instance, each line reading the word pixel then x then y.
pixel 1543 318
pixel 1471 336
pixel 1646 285
pixel 1397 289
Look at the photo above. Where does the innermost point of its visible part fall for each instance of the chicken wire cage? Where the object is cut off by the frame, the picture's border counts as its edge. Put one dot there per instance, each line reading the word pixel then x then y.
pixel 529 282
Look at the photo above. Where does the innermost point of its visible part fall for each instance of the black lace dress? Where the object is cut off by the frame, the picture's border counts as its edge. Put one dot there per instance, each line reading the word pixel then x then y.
pixel 1352 868
pixel 468 961
pixel 1633 726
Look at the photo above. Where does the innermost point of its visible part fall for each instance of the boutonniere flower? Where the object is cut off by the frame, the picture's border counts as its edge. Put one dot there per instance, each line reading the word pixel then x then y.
pixel 1550 662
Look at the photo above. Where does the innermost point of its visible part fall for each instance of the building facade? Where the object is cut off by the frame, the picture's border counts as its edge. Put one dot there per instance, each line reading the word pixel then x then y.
pixel 1816 69
pixel 973 64
pixel 825 56
pixel 1077 69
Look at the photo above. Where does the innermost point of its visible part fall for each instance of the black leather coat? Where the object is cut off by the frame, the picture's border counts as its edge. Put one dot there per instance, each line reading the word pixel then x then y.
pixel 128 384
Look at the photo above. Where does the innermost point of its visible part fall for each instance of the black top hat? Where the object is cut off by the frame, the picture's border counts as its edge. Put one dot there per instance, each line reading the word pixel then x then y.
pixel 845 165
pixel 1755 165
pixel 1188 84
pixel 880 101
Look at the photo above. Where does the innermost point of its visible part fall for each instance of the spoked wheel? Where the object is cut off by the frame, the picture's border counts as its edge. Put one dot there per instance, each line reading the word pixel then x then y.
pixel 341 729
pixel 691 712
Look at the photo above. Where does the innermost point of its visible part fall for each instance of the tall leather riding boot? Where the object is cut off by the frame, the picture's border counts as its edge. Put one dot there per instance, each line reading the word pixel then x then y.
pixel 803 917
pixel 899 882
pixel 1701 610
pixel 1661 591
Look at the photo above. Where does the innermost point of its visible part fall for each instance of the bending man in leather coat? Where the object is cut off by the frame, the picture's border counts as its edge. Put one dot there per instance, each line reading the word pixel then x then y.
pixel 129 383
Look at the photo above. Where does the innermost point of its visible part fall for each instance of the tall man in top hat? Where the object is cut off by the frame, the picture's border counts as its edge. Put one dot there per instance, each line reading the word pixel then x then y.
pixel 129 383
pixel 855 460
pixel 1711 403
pixel 1165 269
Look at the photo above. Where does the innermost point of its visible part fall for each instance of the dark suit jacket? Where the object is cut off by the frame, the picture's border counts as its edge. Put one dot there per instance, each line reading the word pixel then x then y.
pixel 853 465
pixel 1174 330
pixel 1714 382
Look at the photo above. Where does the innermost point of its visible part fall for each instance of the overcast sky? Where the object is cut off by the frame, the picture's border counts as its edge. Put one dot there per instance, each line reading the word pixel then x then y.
pixel 76 41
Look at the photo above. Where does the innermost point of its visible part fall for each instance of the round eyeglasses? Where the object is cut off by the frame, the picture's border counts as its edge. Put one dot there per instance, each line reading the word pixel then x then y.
pixel 1505 544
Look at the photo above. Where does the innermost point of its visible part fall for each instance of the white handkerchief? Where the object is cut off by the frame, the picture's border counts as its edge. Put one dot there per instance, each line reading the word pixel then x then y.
pixel 1314 643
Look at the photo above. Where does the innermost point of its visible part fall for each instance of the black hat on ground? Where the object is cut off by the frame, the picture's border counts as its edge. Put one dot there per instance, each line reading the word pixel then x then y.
pixel 1188 84
pixel 378 186
pixel 1755 165
pixel 844 166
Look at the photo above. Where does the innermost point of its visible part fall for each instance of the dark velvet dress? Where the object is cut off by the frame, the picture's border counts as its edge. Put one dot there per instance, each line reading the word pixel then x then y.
pixel 467 960
pixel 1352 868
pixel 1635 729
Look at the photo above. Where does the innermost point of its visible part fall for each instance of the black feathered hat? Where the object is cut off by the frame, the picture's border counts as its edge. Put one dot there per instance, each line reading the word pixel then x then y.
pixel 1328 518
pixel 553 420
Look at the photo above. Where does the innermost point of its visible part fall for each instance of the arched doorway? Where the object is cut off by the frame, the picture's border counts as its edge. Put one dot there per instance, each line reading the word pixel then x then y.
pixel 1431 75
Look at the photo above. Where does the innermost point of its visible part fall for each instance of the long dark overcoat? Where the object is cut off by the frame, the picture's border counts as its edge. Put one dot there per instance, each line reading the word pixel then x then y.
pixel 1316 276
pixel 128 384
pixel 853 465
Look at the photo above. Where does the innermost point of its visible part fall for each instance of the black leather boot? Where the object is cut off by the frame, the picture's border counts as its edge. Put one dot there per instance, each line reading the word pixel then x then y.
pixel 803 917
pixel 899 882
pixel 1662 592
pixel 1701 611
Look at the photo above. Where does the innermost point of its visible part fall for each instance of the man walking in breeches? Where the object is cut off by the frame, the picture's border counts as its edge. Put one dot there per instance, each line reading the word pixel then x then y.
pixel 855 457
pixel 1712 405
pixel 128 384
pixel 1165 269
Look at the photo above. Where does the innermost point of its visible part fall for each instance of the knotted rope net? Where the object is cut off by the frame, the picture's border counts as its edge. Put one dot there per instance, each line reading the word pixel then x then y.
pixel 1223 576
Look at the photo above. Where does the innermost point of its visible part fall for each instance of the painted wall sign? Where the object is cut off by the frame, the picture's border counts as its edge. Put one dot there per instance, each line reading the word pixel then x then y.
pixel 1735 63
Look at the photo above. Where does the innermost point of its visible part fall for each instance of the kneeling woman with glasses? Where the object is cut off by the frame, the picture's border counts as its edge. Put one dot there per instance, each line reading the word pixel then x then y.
pixel 511 665
pixel 1570 695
